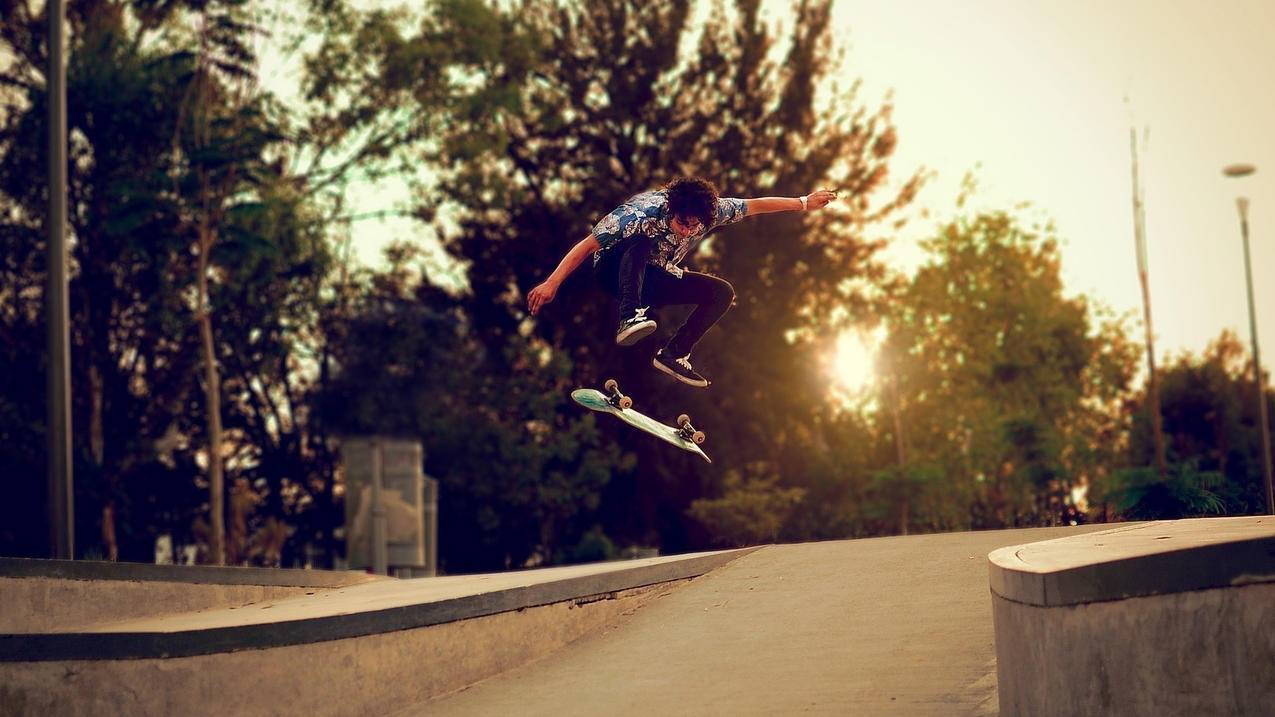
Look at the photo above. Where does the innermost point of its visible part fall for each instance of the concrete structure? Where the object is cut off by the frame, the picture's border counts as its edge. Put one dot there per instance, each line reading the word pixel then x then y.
pixel 886 626
pixel 364 648
pixel 1157 618
pixel 64 595
pixel 1161 618
pixel 391 507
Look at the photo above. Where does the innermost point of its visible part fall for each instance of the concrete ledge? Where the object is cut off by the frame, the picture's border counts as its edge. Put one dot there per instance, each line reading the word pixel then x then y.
pixel 1137 559
pixel 367 609
pixel 62 595
pixel 366 649
pixel 191 574
pixel 36 605
pixel 374 675
pixel 1164 618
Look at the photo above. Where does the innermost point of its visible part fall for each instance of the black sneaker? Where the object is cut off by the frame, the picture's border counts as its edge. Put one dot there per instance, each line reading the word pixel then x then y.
pixel 679 369
pixel 635 328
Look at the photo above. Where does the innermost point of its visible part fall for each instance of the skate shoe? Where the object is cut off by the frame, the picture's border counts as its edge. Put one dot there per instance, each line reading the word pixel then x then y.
pixel 635 328
pixel 679 368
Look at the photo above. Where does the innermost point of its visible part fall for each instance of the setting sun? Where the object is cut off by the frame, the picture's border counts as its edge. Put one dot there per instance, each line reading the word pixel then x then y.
pixel 852 365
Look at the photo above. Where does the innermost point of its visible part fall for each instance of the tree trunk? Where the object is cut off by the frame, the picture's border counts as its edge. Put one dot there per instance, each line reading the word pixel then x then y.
pixel 212 404
pixel 900 446
pixel 97 446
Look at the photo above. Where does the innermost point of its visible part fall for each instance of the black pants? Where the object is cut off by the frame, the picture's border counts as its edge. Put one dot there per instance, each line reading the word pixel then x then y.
pixel 624 272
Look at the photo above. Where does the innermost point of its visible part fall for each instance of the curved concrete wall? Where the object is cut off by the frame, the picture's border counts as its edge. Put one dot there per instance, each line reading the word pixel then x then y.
pixel 1205 652
pixel 1163 618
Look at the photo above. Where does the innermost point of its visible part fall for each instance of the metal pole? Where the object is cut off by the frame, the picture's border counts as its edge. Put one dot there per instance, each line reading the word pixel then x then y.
pixel 380 546
pixel 1264 425
pixel 1140 244
pixel 61 492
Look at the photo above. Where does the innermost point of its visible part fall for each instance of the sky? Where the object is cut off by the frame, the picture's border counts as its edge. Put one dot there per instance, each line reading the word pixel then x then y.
pixel 1037 98
pixel 1031 96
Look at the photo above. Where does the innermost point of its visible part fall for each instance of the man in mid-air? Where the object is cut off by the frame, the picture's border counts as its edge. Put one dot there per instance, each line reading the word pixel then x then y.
pixel 637 253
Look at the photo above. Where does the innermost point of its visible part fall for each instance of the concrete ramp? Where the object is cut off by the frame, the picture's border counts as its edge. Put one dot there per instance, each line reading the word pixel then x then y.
pixel 1163 618
pixel 368 647
pixel 887 626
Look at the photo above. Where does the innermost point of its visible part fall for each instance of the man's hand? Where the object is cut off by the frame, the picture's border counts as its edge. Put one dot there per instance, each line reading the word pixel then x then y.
pixel 819 199
pixel 540 296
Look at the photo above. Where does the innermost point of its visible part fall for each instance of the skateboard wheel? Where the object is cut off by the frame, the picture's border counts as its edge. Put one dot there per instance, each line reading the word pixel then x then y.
pixel 626 402
pixel 610 385
pixel 698 437
pixel 683 420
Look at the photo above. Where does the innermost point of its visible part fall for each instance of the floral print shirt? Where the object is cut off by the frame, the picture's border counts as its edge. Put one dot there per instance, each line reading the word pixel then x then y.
pixel 648 214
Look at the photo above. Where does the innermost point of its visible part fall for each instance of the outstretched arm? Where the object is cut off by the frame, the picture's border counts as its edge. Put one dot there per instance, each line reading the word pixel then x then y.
pixel 545 292
pixel 767 205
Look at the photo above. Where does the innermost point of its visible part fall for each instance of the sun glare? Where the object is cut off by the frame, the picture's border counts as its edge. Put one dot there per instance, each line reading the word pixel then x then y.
pixel 852 364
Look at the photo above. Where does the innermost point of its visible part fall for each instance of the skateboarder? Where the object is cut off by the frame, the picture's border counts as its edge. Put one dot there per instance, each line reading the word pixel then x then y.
pixel 637 252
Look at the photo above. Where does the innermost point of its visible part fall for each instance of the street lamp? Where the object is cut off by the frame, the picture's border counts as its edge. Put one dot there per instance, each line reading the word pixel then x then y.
pixel 1243 170
pixel 60 478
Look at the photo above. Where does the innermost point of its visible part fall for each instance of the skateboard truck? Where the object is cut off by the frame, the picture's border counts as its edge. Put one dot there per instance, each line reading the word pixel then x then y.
pixel 616 398
pixel 688 431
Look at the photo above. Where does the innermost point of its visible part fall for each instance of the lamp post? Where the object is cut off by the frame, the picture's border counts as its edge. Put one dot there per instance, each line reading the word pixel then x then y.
pixel 60 479
pixel 1243 170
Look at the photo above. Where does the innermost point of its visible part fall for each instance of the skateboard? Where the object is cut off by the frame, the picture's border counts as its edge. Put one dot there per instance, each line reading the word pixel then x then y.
pixel 684 436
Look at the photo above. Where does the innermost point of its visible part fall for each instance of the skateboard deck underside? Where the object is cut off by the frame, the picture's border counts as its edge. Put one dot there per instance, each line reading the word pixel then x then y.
pixel 596 400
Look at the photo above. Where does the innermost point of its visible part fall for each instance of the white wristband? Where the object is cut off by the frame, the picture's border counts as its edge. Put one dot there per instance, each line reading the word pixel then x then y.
pixel 803 201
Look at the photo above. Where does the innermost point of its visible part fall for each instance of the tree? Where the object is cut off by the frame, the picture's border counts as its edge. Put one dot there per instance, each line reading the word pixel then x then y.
pixel 372 95
pixel 752 509
pixel 603 103
pixel 218 159
pixel 837 479
pixel 1010 388
pixel 520 478
pixel 1183 491
pixel 175 149
pixel 1213 442
pixel 129 351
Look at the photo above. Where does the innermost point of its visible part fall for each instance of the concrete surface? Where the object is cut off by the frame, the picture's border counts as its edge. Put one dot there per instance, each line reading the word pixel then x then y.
pixel 362 649
pixel 1203 652
pixel 46 595
pixel 888 626
pixel 1158 618
pixel 365 609
pixel 368 675
pixel 1134 559
pixel 194 574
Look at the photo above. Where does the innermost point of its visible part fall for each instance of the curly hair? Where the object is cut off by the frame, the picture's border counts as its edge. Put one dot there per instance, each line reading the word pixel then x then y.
pixel 692 198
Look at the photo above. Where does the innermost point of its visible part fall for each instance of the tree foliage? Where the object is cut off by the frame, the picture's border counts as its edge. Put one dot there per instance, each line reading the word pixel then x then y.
pixel 520 477
pixel 1211 419
pixel 153 140
pixel 1004 383
pixel 752 509
pixel 619 96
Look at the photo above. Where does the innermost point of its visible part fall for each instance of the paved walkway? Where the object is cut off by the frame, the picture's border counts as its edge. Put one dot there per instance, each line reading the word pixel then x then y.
pixel 884 626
